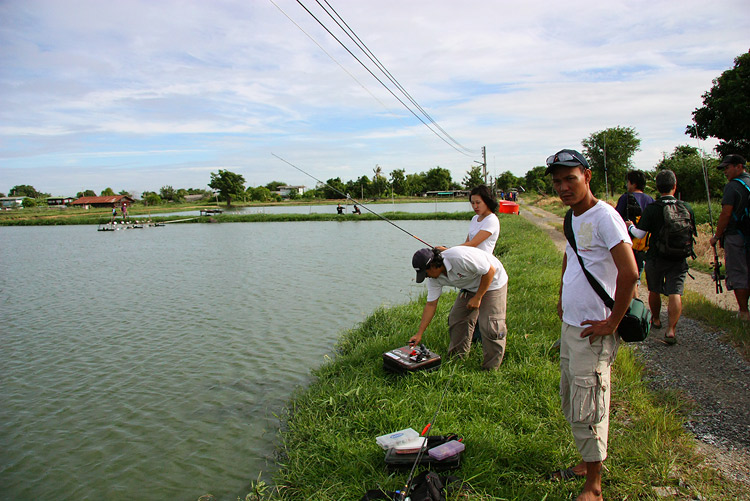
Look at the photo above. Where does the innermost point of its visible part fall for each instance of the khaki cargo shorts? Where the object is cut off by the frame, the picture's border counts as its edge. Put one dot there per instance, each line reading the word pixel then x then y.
pixel 585 389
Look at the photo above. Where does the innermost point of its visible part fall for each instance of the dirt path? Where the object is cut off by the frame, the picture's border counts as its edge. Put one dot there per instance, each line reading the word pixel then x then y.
pixel 708 372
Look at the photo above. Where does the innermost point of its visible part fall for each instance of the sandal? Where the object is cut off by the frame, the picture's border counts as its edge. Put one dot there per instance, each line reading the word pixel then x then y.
pixel 654 325
pixel 670 340
pixel 562 475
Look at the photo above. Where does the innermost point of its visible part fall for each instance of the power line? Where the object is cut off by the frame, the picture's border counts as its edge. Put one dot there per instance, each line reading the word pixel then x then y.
pixel 380 81
pixel 366 50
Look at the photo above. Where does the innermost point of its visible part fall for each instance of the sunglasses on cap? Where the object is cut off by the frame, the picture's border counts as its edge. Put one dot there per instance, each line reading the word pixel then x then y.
pixel 563 156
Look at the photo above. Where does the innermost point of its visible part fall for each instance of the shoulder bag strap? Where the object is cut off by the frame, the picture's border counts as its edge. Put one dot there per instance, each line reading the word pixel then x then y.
pixel 570 236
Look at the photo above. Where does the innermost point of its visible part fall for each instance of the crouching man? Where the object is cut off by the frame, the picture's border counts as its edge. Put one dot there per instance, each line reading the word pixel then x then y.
pixel 483 285
pixel 588 338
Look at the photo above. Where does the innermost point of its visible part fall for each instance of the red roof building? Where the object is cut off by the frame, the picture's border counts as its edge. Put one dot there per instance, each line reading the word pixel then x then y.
pixel 111 201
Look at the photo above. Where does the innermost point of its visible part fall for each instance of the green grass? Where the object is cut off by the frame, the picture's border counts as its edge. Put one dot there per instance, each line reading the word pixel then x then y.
pixel 513 427
pixel 699 308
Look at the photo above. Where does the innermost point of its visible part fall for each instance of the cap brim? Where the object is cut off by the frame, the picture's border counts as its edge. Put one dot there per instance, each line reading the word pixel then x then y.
pixel 421 275
pixel 722 165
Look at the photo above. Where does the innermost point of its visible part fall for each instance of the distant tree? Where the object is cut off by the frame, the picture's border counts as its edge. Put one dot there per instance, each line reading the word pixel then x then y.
pixel 167 193
pixel 23 190
pixel 398 181
pixel 687 164
pixel 414 184
pixel 619 144
pixel 314 193
pixel 179 195
pixel 538 181
pixel 473 177
pixel 28 202
pixel 379 182
pixel 86 193
pixel 507 181
pixel 259 194
pixel 151 198
pixel 228 184
pixel 125 193
pixel 2 194
pixel 334 184
pixel 199 191
pixel 360 188
pixel 108 192
pixel 273 185
pixel 725 111
pixel 438 179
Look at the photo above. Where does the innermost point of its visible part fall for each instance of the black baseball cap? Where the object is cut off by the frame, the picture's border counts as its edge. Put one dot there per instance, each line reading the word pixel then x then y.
pixel 421 260
pixel 566 158
pixel 731 160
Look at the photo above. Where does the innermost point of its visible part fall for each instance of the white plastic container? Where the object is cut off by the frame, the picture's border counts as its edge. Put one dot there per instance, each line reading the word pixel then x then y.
pixel 396 438
pixel 412 446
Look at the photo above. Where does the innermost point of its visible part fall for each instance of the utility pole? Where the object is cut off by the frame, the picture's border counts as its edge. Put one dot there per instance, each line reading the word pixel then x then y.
pixel 484 164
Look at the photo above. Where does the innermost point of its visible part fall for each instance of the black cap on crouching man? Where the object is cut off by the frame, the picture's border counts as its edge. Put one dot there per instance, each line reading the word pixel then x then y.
pixel 421 260
pixel 731 160
pixel 566 158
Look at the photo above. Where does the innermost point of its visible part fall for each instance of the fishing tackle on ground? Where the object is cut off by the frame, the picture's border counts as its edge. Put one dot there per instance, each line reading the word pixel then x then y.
pixel 348 197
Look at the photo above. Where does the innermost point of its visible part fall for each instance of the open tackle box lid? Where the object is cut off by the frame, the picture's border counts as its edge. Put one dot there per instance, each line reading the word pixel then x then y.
pixel 410 359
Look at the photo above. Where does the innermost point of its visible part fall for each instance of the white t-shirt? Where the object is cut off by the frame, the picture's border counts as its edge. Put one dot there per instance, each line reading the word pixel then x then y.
pixel 491 224
pixel 596 231
pixel 465 267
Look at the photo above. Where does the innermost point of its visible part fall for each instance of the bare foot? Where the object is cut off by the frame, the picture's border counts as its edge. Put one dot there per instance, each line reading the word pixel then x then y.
pixel 590 496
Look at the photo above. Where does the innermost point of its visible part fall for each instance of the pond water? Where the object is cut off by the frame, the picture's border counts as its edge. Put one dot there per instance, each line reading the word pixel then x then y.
pixel 381 208
pixel 151 363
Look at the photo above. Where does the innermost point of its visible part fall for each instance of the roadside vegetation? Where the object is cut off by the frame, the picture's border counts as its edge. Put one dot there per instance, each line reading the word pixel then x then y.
pixel 513 428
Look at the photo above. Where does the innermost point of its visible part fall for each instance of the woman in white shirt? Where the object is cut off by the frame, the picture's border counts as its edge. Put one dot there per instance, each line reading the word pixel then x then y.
pixel 484 228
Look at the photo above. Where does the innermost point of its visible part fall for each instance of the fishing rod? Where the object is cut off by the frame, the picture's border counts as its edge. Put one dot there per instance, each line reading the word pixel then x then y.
pixel 716 275
pixel 355 202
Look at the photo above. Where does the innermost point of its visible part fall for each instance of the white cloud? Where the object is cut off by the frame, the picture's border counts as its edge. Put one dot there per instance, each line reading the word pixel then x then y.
pixel 84 80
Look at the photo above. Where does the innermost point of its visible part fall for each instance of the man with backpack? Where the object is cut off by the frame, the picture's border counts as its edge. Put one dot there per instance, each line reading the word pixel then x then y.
pixel 671 223
pixel 630 206
pixel 733 229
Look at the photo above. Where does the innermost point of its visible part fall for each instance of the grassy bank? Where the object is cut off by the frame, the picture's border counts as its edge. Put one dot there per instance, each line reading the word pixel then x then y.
pixel 513 428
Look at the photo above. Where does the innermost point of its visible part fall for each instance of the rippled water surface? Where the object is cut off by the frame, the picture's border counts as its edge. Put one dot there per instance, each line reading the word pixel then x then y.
pixel 149 363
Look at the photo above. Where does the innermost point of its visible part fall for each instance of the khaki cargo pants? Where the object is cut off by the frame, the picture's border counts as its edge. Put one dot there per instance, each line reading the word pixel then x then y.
pixel 585 389
pixel 491 319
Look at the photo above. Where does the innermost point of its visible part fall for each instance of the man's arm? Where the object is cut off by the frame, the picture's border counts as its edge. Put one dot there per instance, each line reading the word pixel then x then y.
pixel 427 313
pixel 627 276
pixel 721 224
pixel 484 284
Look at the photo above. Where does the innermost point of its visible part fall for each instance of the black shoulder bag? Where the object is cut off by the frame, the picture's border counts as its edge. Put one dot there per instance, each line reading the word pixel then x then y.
pixel 636 323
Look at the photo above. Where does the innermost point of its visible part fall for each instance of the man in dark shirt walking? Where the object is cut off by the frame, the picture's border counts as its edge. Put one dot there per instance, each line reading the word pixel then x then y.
pixel 665 274
pixel 736 246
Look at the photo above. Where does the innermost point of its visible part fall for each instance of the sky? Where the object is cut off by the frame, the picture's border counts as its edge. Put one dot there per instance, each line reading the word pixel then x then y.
pixel 136 95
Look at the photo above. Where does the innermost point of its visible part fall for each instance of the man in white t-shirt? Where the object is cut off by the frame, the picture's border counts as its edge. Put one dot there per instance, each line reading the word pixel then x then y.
pixel 483 285
pixel 588 338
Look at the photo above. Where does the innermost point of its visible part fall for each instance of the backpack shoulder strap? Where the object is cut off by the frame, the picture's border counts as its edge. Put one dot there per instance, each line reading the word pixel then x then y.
pixel 742 182
pixel 570 236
